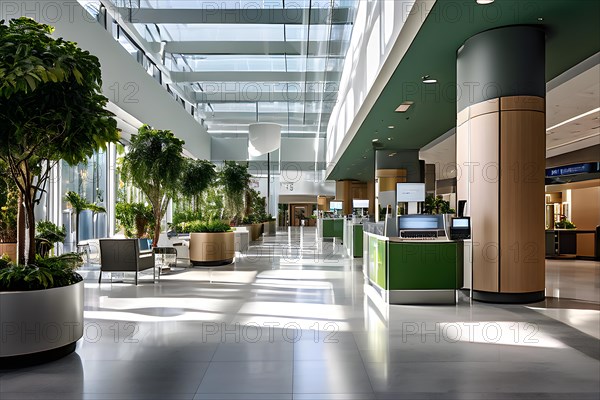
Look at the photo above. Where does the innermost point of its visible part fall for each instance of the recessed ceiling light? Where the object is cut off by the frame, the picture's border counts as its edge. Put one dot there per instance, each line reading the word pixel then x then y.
pixel 404 106
pixel 365 157
pixel 485 1
pixel 428 79
pixel 540 19
pixel 375 140
pixel 389 138
pixel 391 127
pixel 575 118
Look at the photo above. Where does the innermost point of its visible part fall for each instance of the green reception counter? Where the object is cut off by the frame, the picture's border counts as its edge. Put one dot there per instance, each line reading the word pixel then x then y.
pixel 331 228
pixel 414 271
pixel 353 238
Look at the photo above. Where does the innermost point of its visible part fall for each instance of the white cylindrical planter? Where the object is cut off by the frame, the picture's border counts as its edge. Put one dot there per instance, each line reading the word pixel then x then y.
pixel 40 325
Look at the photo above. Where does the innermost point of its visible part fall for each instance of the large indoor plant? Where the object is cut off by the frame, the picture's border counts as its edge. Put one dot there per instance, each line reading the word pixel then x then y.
pixel 47 234
pixel 51 109
pixel 78 205
pixel 136 219
pixel 155 163
pixel 196 178
pixel 234 178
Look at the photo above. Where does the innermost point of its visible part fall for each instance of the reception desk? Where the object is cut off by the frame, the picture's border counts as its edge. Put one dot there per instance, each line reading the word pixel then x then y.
pixel 413 271
pixel 331 228
pixel 353 238
pixel 562 243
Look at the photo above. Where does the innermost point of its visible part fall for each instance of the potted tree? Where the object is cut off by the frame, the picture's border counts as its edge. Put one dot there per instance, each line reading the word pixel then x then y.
pixel 136 219
pixel 234 178
pixel 51 108
pixel 155 163
pixel 47 235
pixel 79 204
pixel 255 213
pixel 197 176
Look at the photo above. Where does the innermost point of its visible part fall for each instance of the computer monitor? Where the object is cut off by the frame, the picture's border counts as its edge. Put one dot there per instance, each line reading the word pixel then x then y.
pixel 461 222
pixel 410 192
pixel 460 228
pixel 360 203
pixel 335 205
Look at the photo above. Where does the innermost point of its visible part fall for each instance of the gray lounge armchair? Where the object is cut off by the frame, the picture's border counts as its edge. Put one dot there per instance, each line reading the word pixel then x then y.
pixel 124 255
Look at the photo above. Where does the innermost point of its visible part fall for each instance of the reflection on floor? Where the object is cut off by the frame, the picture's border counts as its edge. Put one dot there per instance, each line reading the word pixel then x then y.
pixel 292 319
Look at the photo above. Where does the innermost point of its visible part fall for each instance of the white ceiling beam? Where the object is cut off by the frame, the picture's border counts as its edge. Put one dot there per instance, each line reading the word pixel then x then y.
pixel 214 15
pixel 275 47
pixel 233 95
pixel 253 76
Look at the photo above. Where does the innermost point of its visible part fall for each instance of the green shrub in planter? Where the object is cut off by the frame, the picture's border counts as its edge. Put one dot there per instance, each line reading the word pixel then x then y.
pixel 47 234
pixel 44 273
pixel 565 224
pixel 203 227
pixel 136 219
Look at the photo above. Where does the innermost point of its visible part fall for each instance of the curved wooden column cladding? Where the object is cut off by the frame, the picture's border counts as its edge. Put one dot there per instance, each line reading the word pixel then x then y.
pixel 501 153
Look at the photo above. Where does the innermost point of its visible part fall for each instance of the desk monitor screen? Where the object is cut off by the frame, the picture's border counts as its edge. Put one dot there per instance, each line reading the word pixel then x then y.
pixel 461 223
pixel 360 203
pixel 410 192
pixel 420 222
pixel 335 205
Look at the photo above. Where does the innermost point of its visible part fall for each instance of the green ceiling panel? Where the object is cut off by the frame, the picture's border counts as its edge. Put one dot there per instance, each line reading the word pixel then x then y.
pixel 573 34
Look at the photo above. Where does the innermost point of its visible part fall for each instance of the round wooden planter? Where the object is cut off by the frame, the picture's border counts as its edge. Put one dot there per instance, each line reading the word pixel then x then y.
pixel 211 249
pixel 270 228
pixel 255 231
pixel 40 325
pixel 10 249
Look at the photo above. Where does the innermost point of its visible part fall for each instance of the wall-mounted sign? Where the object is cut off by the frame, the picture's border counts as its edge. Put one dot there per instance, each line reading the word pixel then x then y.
pixel 573 169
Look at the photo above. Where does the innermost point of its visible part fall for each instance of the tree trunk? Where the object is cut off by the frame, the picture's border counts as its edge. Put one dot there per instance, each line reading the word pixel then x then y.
pixel 76 230
pixel 26 238
pixel 20 231
pixel 31 232
pixel 157 218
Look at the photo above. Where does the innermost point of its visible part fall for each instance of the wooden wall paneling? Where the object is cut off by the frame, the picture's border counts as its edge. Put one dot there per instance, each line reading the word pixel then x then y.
pixel 585 214
pixel 462 160
pixel 371 196
pixel 523 162
pixel 323 203
pixel 527 103
pixel 484 201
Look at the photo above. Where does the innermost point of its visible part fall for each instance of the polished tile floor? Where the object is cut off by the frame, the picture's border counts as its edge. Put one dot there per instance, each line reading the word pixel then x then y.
pixel 292 319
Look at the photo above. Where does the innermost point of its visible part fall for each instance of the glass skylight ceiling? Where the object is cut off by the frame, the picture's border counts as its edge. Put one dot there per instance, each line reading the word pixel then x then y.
pixel 243 61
